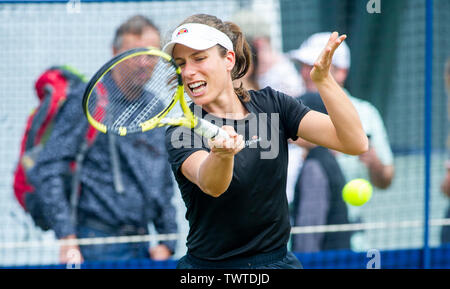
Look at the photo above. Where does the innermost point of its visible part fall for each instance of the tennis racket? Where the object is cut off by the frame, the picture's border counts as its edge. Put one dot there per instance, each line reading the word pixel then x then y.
pixel 136 91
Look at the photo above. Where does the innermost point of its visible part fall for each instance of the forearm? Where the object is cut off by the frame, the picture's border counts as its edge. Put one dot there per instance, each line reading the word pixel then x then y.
pixel 344 116
pixel 212 171
pixel 445 185
pixel 215 173
pixel 52 191
pixel 57 207
pixel 165 222
pixel 381 175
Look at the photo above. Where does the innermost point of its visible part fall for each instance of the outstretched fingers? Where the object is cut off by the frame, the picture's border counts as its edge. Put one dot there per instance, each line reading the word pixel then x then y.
pixel 333 43
pixel 323 62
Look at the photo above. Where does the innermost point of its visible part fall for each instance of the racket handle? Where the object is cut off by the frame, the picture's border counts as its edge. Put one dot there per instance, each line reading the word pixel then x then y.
pixel 210 130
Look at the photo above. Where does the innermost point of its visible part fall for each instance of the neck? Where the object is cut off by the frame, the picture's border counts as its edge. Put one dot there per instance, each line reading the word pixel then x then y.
pixel 227 105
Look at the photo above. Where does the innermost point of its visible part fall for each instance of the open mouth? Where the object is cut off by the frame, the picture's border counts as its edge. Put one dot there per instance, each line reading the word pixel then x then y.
pixel 197 87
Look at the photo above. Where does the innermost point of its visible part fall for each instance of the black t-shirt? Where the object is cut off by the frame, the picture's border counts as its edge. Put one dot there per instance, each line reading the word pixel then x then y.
pixel 251 216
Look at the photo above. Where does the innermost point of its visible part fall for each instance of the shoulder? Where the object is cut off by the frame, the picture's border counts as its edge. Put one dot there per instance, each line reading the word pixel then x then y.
pixel 289 109
pixel 180 140
pixel 154 138
pixel 271 100
pixel 263 95
pixel 180 143
pixel 74 99
pixel 71 112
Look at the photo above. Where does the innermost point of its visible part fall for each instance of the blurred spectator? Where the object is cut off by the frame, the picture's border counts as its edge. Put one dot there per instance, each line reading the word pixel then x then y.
pixel 445 186
pixel 318 194
pixel 124 182
pixel 52 88
pixel 250 81
pixel 376 164
pixel 274 69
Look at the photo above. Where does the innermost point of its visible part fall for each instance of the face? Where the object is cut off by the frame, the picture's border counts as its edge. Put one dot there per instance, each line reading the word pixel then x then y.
pixel 139 66
pixel 338 74
pixel 305 70
pixel 149 37
pixel 206 73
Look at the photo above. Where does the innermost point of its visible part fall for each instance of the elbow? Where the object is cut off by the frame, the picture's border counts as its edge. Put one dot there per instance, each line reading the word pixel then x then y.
pixel 361 147
pixel 386 178
pixel 383 185
pixel 216 195
pixel 212 186
pixel 213 193
pixel 364 147
pixel 212 190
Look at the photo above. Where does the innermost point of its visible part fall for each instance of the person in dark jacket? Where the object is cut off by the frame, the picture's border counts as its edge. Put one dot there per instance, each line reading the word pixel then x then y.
pixel 125 183
pixel 318 194
pixel 445 183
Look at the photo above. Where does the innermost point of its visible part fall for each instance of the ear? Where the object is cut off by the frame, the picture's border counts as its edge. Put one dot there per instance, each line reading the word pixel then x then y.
pixel 339 74
pixel 114 51
pixel 230 60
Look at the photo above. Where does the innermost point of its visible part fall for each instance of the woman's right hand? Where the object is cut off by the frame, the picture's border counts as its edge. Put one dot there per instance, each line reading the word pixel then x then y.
pixel 227 148
pixel 212 171
pixel 445 185
pixel 70 253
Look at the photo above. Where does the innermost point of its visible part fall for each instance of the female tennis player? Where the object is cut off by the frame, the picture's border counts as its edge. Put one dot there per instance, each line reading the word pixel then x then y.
pixel 235 189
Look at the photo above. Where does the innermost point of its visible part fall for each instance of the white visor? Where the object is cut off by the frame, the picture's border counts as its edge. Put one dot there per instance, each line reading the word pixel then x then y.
pixel 199 37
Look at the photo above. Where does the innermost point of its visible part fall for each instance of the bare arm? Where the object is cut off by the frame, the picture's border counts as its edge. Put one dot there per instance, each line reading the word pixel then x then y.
pixel 212 172
pixel 341 129
pixel 445 185
pixel 381 175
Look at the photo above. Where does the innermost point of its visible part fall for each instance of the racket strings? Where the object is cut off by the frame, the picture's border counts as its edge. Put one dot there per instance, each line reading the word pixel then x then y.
pixel 133 91
pixel 126 114
pixel 129 92
pixel 160 95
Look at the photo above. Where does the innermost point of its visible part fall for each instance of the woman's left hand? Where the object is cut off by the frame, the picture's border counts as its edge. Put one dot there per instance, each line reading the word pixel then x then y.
pixel 321 69
pixel 160 252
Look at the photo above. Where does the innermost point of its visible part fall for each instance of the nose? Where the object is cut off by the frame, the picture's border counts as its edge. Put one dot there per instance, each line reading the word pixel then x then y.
pixel 188 70
pixel 142 61
pixel 147 61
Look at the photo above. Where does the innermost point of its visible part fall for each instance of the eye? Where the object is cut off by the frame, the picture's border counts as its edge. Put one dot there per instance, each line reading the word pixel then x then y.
pixel 200 58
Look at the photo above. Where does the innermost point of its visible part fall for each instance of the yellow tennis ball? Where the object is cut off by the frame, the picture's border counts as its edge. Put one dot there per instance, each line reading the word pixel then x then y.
pixel 357 192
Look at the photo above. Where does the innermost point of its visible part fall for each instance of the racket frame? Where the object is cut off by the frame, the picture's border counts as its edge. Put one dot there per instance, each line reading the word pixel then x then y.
pixel 188 119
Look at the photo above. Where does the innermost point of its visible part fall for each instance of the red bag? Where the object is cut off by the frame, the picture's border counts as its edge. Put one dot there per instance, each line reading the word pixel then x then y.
pixel 52 89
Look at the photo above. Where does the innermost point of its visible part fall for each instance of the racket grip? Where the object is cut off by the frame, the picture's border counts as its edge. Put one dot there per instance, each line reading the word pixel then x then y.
pixel 210 130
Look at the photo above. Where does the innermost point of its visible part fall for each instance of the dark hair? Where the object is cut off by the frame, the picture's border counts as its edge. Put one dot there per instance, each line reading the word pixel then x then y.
pixel 134 25
pixel 242 49
pixel 252 77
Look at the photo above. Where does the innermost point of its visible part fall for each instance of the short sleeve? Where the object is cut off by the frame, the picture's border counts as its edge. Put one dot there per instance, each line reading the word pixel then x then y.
pixel 292 111
pixel 181 142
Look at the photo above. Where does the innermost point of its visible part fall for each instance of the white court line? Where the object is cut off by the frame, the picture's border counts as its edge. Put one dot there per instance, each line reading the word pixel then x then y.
pixel 168 237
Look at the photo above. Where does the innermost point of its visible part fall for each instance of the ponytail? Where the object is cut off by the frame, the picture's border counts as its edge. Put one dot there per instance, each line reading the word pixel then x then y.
pixel 243 56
